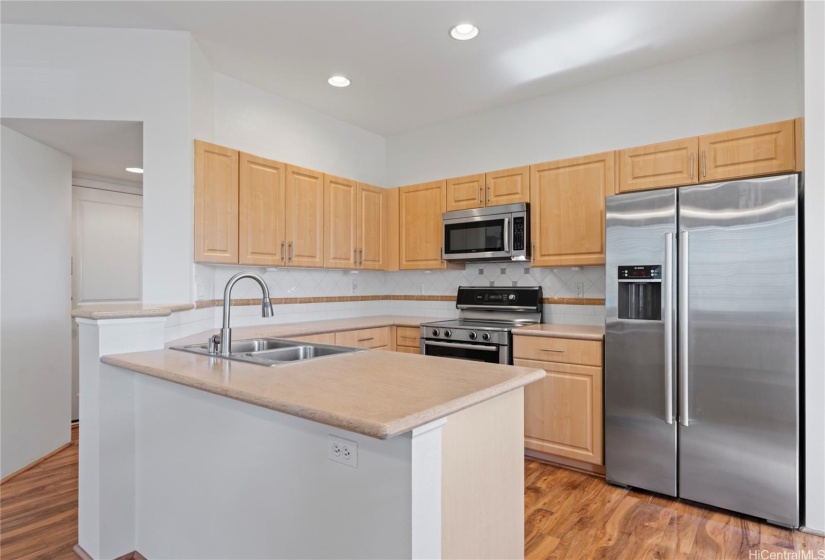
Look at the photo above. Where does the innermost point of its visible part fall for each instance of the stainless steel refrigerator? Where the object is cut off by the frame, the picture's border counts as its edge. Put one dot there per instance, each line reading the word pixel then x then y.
pixel 702 344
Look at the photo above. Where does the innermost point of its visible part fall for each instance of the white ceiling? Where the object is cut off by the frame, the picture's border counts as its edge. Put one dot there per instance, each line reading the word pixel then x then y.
pixel 406 71
pixel 100 148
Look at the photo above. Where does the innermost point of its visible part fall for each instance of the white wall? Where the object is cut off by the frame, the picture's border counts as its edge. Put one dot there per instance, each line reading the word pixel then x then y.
pixel 740 86
pixel 252 120
pixel 36 218
pixel 815 263
pixel 119 74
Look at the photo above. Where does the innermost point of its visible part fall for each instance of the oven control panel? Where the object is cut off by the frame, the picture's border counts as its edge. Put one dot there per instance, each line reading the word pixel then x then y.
pixel 467 335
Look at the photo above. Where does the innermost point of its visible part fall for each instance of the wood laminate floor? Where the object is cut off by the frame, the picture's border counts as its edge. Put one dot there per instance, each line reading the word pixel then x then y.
pixel 567 515
pixel 574 515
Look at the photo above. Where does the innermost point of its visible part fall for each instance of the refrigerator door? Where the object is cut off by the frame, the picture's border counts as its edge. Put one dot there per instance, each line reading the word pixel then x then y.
pixel 640 432
pixel 739 363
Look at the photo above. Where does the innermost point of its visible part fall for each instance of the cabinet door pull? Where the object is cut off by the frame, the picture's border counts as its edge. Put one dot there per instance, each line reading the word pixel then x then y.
pixel 291 251
pixel 362 257
pixel 704 165
pixel 480 201
pixel 691 166
pixel 283 252
pixel 488 195
pixel 355 257
pixel 532 252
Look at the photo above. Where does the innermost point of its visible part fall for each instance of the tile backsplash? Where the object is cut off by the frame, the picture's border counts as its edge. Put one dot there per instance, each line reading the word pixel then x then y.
pixel 297 282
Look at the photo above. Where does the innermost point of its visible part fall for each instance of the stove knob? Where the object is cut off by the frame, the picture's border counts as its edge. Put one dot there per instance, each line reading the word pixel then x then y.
pixel 512 297
pixel 473 336
pixel 485 336
pixel 448 333
pixel 436 332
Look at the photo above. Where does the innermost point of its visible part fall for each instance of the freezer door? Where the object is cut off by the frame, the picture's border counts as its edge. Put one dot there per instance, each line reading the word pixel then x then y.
pixel 739 366
pixel 640 432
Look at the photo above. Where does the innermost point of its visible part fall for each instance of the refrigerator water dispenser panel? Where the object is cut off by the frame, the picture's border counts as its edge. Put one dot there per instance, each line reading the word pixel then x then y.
pixel 640 292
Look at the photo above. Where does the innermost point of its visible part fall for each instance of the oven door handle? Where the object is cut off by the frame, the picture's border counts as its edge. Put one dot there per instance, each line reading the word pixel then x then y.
pixel 481 347
pixel 506 233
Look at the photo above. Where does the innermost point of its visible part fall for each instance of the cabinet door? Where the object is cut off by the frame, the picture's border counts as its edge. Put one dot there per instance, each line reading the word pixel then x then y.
pixel 465 192
pixel 372 227
pixel 216 204
pixel 563 411
pixel 420 209
pixel 261 212
pixel 567 210
pixel 668 164
pixel 508 186
pixel 340 225
pixel 304 217
pixel 747 152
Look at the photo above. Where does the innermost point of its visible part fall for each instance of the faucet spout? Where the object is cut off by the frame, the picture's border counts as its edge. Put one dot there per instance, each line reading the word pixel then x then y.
pixel 266 307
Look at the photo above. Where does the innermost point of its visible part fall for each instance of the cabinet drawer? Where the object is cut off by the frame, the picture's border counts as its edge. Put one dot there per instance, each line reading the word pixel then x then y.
pixel 563 350
pixel 408 349
pixel 364 338
pixel 407 336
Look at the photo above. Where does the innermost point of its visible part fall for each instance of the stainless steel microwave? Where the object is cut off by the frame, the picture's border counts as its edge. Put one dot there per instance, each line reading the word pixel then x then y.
pixel 497 233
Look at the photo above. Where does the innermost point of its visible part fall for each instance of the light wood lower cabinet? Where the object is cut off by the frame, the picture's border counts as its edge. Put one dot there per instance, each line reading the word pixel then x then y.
pixel 216 204
pixel 407 340
pixel 567 202
pixel 323 338
pixel 365 338
pixel 563 412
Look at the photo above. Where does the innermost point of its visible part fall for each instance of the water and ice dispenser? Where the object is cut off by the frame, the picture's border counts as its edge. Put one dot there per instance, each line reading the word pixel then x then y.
pixel 640 292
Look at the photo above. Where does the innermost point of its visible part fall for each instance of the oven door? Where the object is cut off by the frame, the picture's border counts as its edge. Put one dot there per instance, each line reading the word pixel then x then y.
pixel 481 237
pixel 489 353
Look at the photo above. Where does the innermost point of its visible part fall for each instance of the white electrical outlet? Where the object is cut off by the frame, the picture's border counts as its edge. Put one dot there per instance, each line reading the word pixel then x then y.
pixel 354 285
pixel 342 451
pixel 420 288
pixel 579 289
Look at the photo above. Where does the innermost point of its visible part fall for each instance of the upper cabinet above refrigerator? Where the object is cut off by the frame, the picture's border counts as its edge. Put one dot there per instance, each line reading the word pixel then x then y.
pixel 767 149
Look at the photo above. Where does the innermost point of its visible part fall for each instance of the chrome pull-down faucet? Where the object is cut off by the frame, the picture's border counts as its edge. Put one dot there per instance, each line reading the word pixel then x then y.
pixel 225 345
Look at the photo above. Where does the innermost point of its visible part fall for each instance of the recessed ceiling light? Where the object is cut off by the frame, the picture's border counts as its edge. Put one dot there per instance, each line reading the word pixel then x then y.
pixel 134 170
pixel 464 31
pixel 338 81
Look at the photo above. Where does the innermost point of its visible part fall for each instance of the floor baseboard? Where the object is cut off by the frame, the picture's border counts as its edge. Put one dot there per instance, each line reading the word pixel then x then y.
pixel 34 463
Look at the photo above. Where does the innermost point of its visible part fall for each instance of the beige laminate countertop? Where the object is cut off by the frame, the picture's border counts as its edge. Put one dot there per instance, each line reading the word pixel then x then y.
pixel 583 332
pixel 286 330
pixel 129 310
pixel 375 392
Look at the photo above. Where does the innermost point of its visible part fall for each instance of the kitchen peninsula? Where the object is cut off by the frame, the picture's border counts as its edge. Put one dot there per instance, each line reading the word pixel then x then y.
pixel 202 457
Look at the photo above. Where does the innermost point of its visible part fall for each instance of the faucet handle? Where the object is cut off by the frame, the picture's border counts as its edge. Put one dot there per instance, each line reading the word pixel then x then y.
pixel 214 343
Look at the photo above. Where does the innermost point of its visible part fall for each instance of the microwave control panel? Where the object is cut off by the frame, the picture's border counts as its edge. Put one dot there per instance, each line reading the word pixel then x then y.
pixel 518 233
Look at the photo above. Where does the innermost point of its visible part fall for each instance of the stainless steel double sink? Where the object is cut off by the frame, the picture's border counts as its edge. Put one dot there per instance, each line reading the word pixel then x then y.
pixel 271 351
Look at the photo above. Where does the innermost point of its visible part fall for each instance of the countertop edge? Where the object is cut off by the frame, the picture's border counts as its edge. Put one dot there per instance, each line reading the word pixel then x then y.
pixel 371 429
pixel 130 312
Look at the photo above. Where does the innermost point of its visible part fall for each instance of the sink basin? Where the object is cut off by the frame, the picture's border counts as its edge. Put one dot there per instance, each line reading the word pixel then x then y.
pixel 297 353
pixel 271 351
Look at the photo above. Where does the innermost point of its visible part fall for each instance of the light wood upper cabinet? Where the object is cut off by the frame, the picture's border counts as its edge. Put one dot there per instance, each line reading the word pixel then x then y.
pixel 393 228
pixel 508 186
pixel 304 217
pixel 668 164
pixel 340 224
pixel 567 209
pixel 465 192
pixel 261 211
pixel 420 209
pixel 747 152
pixel 372 227
pixel 563 411
pixel 216 204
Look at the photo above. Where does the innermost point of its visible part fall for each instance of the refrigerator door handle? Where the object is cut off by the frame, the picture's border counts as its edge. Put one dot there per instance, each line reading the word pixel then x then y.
pixel 684 238
pixel 667 285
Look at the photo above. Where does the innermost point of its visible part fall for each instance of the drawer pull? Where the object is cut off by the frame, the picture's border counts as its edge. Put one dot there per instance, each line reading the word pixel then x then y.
pixel 366 339
pixel 550 350
pixel 409 337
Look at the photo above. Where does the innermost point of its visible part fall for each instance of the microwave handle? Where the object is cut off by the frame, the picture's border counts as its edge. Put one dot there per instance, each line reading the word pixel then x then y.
pixel 506 235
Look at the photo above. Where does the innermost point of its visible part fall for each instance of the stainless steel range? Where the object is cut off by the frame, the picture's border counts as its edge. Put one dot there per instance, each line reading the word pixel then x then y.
pixel 483 330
